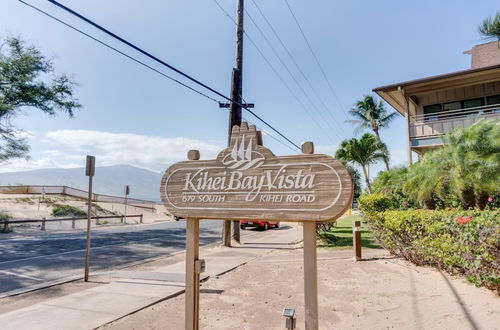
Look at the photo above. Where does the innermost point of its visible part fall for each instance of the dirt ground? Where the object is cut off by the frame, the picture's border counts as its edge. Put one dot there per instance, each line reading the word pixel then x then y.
pixel 379 293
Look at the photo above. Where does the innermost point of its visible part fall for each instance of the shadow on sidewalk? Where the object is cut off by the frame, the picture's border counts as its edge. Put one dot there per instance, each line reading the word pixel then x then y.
pixel 460 302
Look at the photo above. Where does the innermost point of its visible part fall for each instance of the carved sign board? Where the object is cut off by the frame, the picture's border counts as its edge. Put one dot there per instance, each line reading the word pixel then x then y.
pixel 247 182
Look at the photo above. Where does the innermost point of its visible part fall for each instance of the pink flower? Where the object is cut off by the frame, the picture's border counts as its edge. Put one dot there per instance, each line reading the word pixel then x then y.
pixel 490 199
pixel 405 204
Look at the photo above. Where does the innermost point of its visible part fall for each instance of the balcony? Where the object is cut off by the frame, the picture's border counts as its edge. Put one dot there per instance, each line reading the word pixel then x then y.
pixel 435 124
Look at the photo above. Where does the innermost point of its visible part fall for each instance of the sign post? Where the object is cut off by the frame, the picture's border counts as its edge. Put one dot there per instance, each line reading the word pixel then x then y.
pixel 248 182
pixel 192 277
pixel 310 265
pixel 126 191
pixel 90 172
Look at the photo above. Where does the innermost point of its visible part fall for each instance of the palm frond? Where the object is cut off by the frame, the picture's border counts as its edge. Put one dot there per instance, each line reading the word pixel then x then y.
pixel 490 27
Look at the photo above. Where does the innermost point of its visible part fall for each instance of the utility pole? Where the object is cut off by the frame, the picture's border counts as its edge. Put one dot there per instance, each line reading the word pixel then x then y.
pixel 235 110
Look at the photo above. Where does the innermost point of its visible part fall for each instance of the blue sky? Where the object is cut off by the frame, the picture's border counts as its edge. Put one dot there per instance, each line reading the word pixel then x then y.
pixel 134 116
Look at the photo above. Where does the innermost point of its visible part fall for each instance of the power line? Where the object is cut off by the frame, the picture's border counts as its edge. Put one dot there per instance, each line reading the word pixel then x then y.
pixel 314 55
pixel 167 65
pixel 296 64
pixel 270 135
pixel 119 51
pixel 140 50
pixel 290 72
pixel 154 58
pixel 276 72
pixel 264 131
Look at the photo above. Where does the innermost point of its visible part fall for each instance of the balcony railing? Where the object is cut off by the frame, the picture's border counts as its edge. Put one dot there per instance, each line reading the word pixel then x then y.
pixel 438 123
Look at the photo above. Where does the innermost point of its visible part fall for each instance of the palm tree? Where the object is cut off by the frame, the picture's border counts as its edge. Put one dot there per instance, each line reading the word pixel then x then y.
pixel 490 28
pixel 468 164
pixel 391 183
pixel 475 157
pixel 355 178
pixel 425 178
pixel 363 152
pixel 372 115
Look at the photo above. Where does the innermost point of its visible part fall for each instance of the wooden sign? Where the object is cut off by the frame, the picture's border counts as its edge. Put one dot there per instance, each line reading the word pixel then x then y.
pixel 246 181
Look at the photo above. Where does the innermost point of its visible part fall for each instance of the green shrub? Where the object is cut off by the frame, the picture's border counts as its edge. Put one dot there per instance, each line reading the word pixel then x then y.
pixel 375 203
pixel 62 210
pixel 4 216
pixel 390 183
pixel 460 242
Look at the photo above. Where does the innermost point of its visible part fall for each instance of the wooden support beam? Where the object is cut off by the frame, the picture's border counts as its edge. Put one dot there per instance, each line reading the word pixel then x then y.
pixel 192 277
pixel 407 119
pixel 310 276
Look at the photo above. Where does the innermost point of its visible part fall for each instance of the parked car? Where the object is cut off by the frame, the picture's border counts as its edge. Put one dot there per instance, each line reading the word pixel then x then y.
pixel 261 224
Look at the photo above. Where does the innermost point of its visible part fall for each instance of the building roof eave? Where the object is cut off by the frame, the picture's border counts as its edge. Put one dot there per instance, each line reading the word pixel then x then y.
pixel 394 94
pixel 443 78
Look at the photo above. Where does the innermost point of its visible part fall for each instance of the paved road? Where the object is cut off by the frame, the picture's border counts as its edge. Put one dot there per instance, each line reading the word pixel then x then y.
pixel 30 261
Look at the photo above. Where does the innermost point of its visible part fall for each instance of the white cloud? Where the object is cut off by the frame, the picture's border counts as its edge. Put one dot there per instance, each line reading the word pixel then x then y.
pixel 52 152
pixel 23 134
pixel 326 149
pixel 150 152
pixel 32 164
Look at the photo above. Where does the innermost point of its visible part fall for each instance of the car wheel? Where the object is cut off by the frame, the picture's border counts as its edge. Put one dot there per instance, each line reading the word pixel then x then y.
pixel 277 225
pixel 243 227
pixel 266 226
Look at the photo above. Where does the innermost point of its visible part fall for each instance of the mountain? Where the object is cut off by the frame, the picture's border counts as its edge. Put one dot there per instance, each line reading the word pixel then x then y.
pixel 109 180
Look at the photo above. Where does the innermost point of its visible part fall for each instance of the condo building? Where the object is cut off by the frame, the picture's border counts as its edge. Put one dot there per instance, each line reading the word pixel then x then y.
pixel 433 106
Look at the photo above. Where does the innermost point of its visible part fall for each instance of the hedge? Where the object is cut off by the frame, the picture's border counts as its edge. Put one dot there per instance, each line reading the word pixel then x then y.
pixel 460 242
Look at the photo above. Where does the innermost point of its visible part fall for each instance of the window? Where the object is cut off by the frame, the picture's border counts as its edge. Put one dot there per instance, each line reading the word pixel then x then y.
pixel 430 109
pixel 473 103
pixel 494 99
pixel 450 107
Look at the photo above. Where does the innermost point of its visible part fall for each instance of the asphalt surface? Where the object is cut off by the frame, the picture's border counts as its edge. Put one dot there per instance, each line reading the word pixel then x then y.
pixel 36 260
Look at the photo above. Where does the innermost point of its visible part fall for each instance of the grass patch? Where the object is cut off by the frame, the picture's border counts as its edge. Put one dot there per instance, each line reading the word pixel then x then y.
pixel 26 200
pixel 62 210
pixel 340 237
pixel 97 209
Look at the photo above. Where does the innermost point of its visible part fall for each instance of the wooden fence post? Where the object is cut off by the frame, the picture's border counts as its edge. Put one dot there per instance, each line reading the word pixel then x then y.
pixel 356 240
pixel 141 217
pixel 73 223
pixel 43 224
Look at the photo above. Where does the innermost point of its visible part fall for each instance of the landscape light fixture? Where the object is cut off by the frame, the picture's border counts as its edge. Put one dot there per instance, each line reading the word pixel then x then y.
pixel 289 313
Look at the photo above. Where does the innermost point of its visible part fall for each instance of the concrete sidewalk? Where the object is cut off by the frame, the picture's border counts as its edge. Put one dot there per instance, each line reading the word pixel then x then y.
pixel 131 290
